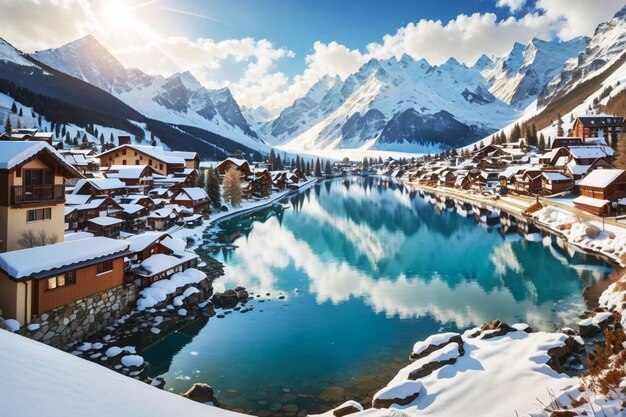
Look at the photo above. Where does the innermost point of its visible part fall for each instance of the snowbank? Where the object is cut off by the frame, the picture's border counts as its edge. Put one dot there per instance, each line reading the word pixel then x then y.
pixel 51 374
pixel 158 292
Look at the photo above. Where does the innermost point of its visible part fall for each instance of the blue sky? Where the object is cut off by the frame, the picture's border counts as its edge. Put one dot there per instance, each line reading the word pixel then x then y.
pixel 270 52
pixel 296 25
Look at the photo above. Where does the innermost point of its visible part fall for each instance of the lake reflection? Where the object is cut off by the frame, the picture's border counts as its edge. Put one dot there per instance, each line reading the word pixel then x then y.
pixel 366 268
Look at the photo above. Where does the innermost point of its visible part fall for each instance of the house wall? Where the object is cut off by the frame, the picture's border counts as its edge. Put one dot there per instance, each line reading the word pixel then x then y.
pixel 87 284
pixel 14 297
pixel 118 158
pixel 13 222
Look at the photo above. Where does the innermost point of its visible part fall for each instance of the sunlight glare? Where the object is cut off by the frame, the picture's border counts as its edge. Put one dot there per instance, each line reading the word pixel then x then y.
pixel 117 13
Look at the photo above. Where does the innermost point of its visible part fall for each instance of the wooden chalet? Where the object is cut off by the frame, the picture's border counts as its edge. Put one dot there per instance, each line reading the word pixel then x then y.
pixel 37 280
pixel 161 161
pixel 240 165
pixel 105 226
pixel 594 126
pixel 193 198
pixel 599 189
pixel 555 182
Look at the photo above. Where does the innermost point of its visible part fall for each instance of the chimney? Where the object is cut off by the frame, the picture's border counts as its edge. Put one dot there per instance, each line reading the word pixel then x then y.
pixel 123 140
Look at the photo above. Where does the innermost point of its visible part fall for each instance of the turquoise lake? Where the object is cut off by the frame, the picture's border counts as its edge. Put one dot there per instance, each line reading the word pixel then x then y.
pixel 357 270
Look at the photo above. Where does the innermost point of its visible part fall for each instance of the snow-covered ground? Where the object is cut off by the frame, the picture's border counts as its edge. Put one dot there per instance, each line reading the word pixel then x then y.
pixel 38 380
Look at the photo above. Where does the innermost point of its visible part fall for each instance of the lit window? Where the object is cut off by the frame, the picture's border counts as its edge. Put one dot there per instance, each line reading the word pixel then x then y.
pixel 63 280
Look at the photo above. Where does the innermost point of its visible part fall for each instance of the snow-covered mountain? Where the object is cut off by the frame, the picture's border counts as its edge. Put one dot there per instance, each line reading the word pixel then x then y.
pixel 519 77
pixel 397 105
pixel 178 99
pixel 607 45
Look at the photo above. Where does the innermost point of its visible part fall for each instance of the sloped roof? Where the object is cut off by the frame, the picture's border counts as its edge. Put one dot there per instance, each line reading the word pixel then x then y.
pixel 601 177
pixel 26 262
pixel 14 153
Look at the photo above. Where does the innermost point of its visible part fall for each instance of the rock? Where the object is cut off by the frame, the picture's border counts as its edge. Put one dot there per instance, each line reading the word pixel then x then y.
pixel 226 299
pixel 332 394
pixel 445 356
pixel 402 393
pixel 559 355
pixel 290 408
pixel 592 232
pixel 496 328
pixel 201 393
pixel 423 349
pixel 158 382
pixel 349 407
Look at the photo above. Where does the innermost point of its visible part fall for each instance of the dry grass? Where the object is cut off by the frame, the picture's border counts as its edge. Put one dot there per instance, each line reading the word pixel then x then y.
pixel 564 226
pixel 606 366
pixel 535 207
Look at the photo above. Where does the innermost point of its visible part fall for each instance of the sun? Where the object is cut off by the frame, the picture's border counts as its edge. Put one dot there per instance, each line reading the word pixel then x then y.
pixel 117 13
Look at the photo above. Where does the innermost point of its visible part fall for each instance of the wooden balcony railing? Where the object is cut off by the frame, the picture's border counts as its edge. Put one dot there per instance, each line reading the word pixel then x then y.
pixel 33 194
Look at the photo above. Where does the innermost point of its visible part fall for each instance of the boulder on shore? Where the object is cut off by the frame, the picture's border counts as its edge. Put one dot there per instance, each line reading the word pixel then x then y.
pixel 202 393
pixel 349 407
pixel 403 393
pixel 226 299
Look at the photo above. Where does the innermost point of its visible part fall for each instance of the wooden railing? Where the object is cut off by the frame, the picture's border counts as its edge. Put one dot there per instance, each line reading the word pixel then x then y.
pixel 32 194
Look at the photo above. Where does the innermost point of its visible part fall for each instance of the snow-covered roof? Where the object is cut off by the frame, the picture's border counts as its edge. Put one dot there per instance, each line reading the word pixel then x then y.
pixel 601 177
pixel 155 152
pixel 76 199
pixel 34 367
pixel 70 237
pixel 126 171
pixel 578 169
pixel 101 184
pixel 194 193
pixel 131 208
pixel 14 153
pixel 26 262
pixel 579 152
pixel 176 245
pixel 142 241
pixel 184 154
pixel 105 221
pixel 555 176
pixel 160 262
pixel 593 202
pixel 236 161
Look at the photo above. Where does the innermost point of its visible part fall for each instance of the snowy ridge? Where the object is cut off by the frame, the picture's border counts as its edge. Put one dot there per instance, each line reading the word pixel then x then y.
pixel 178 99
pixel 9 54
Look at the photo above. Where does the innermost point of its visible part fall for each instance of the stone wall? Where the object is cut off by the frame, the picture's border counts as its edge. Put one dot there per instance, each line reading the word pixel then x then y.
pixel 78 320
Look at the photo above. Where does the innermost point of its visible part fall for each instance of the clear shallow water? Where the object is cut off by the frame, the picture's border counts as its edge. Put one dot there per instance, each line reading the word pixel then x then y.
pixel 366 268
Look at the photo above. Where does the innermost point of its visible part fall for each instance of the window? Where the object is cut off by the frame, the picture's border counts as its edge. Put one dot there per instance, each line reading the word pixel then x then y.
pixel 69 278
pixel 37 177
pixel 161 167
pixel 150 162
pixel 104 267
pixel 123 151
pixel 136 161
pixel 38 215
pixel 124 162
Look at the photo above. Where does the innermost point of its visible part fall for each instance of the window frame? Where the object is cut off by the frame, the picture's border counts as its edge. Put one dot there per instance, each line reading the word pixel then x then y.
pixel 100 268
pixel 69 278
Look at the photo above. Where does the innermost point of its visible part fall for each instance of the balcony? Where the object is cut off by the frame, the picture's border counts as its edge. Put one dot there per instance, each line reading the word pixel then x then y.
pixel 37 194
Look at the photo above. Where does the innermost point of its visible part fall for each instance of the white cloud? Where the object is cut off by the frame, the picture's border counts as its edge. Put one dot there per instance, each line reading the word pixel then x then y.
pixel 513 5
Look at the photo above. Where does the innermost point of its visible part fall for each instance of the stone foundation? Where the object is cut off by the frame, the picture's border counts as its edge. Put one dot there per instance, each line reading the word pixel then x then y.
pixel 78 320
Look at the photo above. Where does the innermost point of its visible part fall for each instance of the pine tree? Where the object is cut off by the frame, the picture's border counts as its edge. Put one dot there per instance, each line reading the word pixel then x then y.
pixel 542 143
pixel 516 133
pixel 200 182
pixel 39 120
pixel 232 187
pixel 75 141
pixel 111 138
pixel 317 170
pixel 279 163
pixel 213 188
pixel 21 113
pixel 559 126
pixel 327 168
pixel 19 124
pixel 307 170
pixel 620 157
pixel 7 125
pixel 272 160
pixel 14 108
pixel 365 164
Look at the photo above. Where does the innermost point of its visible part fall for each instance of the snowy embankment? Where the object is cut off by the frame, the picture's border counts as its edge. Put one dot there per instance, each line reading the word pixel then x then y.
pixel 39 380
pixel 245 206
pixel 498 371
pixel 584 232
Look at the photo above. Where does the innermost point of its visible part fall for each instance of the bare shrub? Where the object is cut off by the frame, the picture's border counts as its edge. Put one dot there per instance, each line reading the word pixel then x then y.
pixel 30 239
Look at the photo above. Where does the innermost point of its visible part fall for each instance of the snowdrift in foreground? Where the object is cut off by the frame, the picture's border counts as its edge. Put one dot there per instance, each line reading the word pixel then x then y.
pixel 42 381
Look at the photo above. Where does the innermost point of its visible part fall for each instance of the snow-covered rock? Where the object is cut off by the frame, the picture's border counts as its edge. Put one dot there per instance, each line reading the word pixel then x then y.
pixel 132 360
pixel 399 393
pixel 435 342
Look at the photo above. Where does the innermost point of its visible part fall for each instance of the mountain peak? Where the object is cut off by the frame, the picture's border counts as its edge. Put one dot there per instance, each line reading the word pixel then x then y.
pixel 483 62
